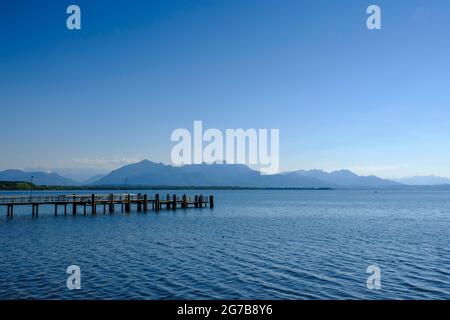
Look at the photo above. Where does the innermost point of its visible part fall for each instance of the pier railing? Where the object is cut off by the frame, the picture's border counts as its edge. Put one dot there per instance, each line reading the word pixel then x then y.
pixel 22 199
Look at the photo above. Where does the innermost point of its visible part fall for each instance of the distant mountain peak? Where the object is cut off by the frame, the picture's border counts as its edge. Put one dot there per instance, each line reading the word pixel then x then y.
pixel 146 161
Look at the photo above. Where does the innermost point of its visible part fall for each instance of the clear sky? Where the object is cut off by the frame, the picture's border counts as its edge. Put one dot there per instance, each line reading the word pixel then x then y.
pixel 376 102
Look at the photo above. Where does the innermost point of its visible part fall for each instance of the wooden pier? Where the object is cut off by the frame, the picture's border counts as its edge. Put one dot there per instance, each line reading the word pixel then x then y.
pixel 105 202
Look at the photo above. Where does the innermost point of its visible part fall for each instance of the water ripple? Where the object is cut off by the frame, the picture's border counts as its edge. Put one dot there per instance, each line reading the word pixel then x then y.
pixel 253 245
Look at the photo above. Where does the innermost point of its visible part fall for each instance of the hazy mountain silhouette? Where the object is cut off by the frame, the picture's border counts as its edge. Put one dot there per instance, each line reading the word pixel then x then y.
pixel 79 174
pixel 346 178
pixel 424 180
pixel 157 174
pixel 150 173
pixel 39 178
pixel 92 179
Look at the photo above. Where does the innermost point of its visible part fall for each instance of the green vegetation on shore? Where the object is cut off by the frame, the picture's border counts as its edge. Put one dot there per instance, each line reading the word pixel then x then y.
pixel 14 185
pixel 21 185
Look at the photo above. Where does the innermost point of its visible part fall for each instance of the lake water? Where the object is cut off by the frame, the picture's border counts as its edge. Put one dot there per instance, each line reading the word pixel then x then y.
pixel 252 245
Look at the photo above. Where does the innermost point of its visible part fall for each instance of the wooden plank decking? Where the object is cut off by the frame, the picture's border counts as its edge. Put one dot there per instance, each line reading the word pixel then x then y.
pixel 107 201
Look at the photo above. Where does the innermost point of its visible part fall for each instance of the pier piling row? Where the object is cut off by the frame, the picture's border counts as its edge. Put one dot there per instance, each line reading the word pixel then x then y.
pixel 108 201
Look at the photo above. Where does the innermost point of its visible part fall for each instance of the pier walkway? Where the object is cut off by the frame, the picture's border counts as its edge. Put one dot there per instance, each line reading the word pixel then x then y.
pixel 142 202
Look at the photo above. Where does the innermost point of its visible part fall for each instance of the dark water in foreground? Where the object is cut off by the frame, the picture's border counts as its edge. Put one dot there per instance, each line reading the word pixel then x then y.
pixel 253 245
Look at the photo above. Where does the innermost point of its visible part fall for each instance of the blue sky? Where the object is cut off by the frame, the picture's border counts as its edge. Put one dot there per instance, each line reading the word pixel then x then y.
pixel 376 102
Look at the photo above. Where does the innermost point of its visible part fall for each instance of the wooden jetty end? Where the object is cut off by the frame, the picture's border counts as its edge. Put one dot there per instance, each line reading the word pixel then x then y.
pixel 108 201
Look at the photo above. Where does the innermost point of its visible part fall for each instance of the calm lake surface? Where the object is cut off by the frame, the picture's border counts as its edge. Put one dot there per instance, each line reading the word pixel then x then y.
pixel 252 245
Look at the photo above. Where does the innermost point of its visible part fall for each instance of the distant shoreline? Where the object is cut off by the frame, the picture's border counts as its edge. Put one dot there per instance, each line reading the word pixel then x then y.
pixel 26 186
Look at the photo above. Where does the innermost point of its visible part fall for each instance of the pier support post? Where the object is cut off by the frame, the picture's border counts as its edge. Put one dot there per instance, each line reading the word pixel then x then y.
pixel 94 206
pixel 211 201
pixel 65 209
pixel 157 203
pixel 200 201
pixel 145 202
pixel 74 205
pixel 168 202
pixel 128 204
pixel 184 202
pixel 174 202
pixel 111 203
pixel 10 212
pixel 56 209
pixel 84 208
pixel 35 210
pixel 139 202
pixel 196 201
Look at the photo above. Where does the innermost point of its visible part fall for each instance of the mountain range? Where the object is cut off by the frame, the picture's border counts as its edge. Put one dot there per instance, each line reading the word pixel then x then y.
pixel 346 178
pixel 78 174
pixel 40 178
pixel 149 173
pixel 424 181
